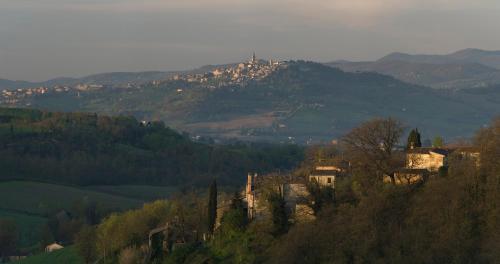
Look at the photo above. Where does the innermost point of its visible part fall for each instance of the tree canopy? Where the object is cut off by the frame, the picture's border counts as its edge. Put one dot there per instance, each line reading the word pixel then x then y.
pixel 89 149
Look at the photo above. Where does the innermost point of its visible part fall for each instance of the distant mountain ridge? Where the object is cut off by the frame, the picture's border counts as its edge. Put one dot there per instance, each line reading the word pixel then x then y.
pixel 109 78
pixel 9 84
pixel 485 57
pixel 466 68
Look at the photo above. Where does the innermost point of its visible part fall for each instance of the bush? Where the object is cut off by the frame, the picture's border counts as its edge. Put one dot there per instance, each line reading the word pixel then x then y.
pixel 130 255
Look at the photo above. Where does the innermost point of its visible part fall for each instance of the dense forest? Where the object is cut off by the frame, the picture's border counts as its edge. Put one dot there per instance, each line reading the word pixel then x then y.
pixel 90 149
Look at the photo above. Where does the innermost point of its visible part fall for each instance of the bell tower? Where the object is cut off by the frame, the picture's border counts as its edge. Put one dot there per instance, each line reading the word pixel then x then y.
pixel 250 195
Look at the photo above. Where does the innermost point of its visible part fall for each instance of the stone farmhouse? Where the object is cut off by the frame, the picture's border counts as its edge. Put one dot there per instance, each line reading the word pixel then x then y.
pixel 325 175
pixel 294 191
pixel 424 162
pixel 430 159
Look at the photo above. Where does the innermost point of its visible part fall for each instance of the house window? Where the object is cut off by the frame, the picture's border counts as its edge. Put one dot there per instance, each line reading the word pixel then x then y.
pixel 329 180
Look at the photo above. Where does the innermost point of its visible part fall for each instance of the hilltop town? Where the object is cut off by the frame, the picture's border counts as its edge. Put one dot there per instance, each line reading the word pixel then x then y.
pixel 240 75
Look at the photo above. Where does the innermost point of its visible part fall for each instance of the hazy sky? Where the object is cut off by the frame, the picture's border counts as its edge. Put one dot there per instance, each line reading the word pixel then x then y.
pixel 42 39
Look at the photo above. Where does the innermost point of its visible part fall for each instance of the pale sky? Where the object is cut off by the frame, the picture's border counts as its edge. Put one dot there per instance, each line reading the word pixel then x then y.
pixel 43 39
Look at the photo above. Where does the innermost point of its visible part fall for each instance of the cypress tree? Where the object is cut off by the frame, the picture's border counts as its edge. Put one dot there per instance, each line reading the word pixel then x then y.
pixel 278 213
pixel 212 206
pixel 414 140
pixel 418 143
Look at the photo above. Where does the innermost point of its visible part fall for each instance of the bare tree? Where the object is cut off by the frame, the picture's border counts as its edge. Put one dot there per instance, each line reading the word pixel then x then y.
pixel 372 146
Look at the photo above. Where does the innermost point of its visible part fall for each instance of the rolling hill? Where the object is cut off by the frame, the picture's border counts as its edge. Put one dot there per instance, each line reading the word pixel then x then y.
pixel 305 102
pixel 9 84
pixel 86 149
pixel 440 76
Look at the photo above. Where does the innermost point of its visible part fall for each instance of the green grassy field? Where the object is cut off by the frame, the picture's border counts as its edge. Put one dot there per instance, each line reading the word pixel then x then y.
pixel 27 203
pixel 41 198
pixel 140 192
pixel 28 225
pixel 66 255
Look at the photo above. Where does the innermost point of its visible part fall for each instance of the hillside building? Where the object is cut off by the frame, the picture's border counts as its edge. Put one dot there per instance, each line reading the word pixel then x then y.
pixel 326 175
pixel 424 162
pixel 293 191
pixel 430 159
pixel 53 247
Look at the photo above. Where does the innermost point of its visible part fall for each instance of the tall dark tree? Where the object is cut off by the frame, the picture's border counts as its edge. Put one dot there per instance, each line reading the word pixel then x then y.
pixel 278 214
pixel 235 219
pixel 212 206
pixel 414 140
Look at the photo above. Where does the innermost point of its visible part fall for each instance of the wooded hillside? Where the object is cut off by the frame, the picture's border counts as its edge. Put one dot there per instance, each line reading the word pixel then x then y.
pixel 90 149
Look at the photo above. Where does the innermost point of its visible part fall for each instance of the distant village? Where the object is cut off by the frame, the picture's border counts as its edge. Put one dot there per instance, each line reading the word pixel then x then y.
pixel 12 97
pixel 239 75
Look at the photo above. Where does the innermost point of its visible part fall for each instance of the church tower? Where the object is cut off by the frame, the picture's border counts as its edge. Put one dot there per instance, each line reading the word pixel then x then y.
pixel 254 58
